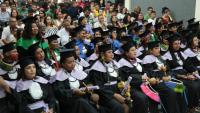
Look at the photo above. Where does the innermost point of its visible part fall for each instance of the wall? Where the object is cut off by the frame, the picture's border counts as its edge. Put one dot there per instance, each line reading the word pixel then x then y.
pixel 197 11
pixel 181 9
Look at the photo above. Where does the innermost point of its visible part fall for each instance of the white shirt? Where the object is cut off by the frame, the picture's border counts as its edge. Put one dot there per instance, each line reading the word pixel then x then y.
pixel 97 24
pixel 153 21
pixel 4 16
pixel 6 35
pixel 64 36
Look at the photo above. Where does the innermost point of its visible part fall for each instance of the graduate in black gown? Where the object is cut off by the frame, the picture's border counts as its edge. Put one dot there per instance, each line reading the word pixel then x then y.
pixel 156 69
pixel 183 69
pixel 104 72
pixel 45 67
pixel 131 66
pixel 81 64
pixel 192 51
pixel 36 92
pixel 143 49
pixel 66 86
pixel 94 56
pixel 9 99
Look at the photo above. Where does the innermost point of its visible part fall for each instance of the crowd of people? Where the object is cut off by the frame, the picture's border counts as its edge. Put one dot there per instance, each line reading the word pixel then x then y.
pixel 95 56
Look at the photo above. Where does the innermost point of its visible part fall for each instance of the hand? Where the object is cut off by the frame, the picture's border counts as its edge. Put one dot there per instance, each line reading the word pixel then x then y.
pixel 145 77
pixel 50 110
pixel 95 98
pixel 4 85
pixel 78 92
pixel 191 77
pixel 163 68
pixel 153 81
pixel 119 98
pixel 166 78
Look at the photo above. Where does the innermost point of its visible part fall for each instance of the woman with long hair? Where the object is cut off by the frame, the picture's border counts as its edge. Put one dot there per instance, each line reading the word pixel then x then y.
pixel 104 72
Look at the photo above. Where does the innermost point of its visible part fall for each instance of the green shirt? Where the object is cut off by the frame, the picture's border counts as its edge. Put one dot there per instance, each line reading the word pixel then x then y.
pixel 26 43
pixel 50 13
pixel 154 37
pixel 56 52
pixel 146 16
pixel 23 12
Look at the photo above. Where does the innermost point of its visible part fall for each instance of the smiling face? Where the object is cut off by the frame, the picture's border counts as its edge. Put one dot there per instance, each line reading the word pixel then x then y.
pixel 34 29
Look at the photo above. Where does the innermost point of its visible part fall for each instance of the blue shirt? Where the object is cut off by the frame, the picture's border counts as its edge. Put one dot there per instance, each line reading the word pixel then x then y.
pixel 84 48
pixel 116 44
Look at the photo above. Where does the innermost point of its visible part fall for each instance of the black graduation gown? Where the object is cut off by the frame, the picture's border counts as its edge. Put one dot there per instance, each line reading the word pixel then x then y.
pixel 47 96
pixel 193 57
pixel 10 102
pixel 117 55
pixel 142 52
pixel 193 87
pixel 140 103
pixel 69 102
pixel 99 76
pixel 168 96
pixel 41 73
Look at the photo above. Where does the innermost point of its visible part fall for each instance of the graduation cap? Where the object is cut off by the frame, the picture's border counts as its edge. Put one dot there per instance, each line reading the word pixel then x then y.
pixel 173 37
pixel 105 47
pixel 138 28
pixel 123 29
pixel 190 21
pixel 194 25
pixel 126 47
pixel 31 50
pixel 105 33
pixel 25 62
pixel 126 39
pixel 149 25
pixel 52 38
pixel 153 44
pixel 113 29
pixel 180 23
pixel 97 41
pixel 144 34
pixel 70 45
pixel 98 29
pixel 50 32
pixel 66 53
pixel 8 47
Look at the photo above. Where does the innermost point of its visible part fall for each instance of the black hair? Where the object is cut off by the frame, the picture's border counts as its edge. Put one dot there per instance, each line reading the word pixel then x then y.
pixel 28 31
pixel 125 20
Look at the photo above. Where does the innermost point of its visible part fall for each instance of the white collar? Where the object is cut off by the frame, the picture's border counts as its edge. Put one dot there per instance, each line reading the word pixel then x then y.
pixel 62 75
pixel 149 59
pixel 124 62
pixel 98 66
pixel 25 84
